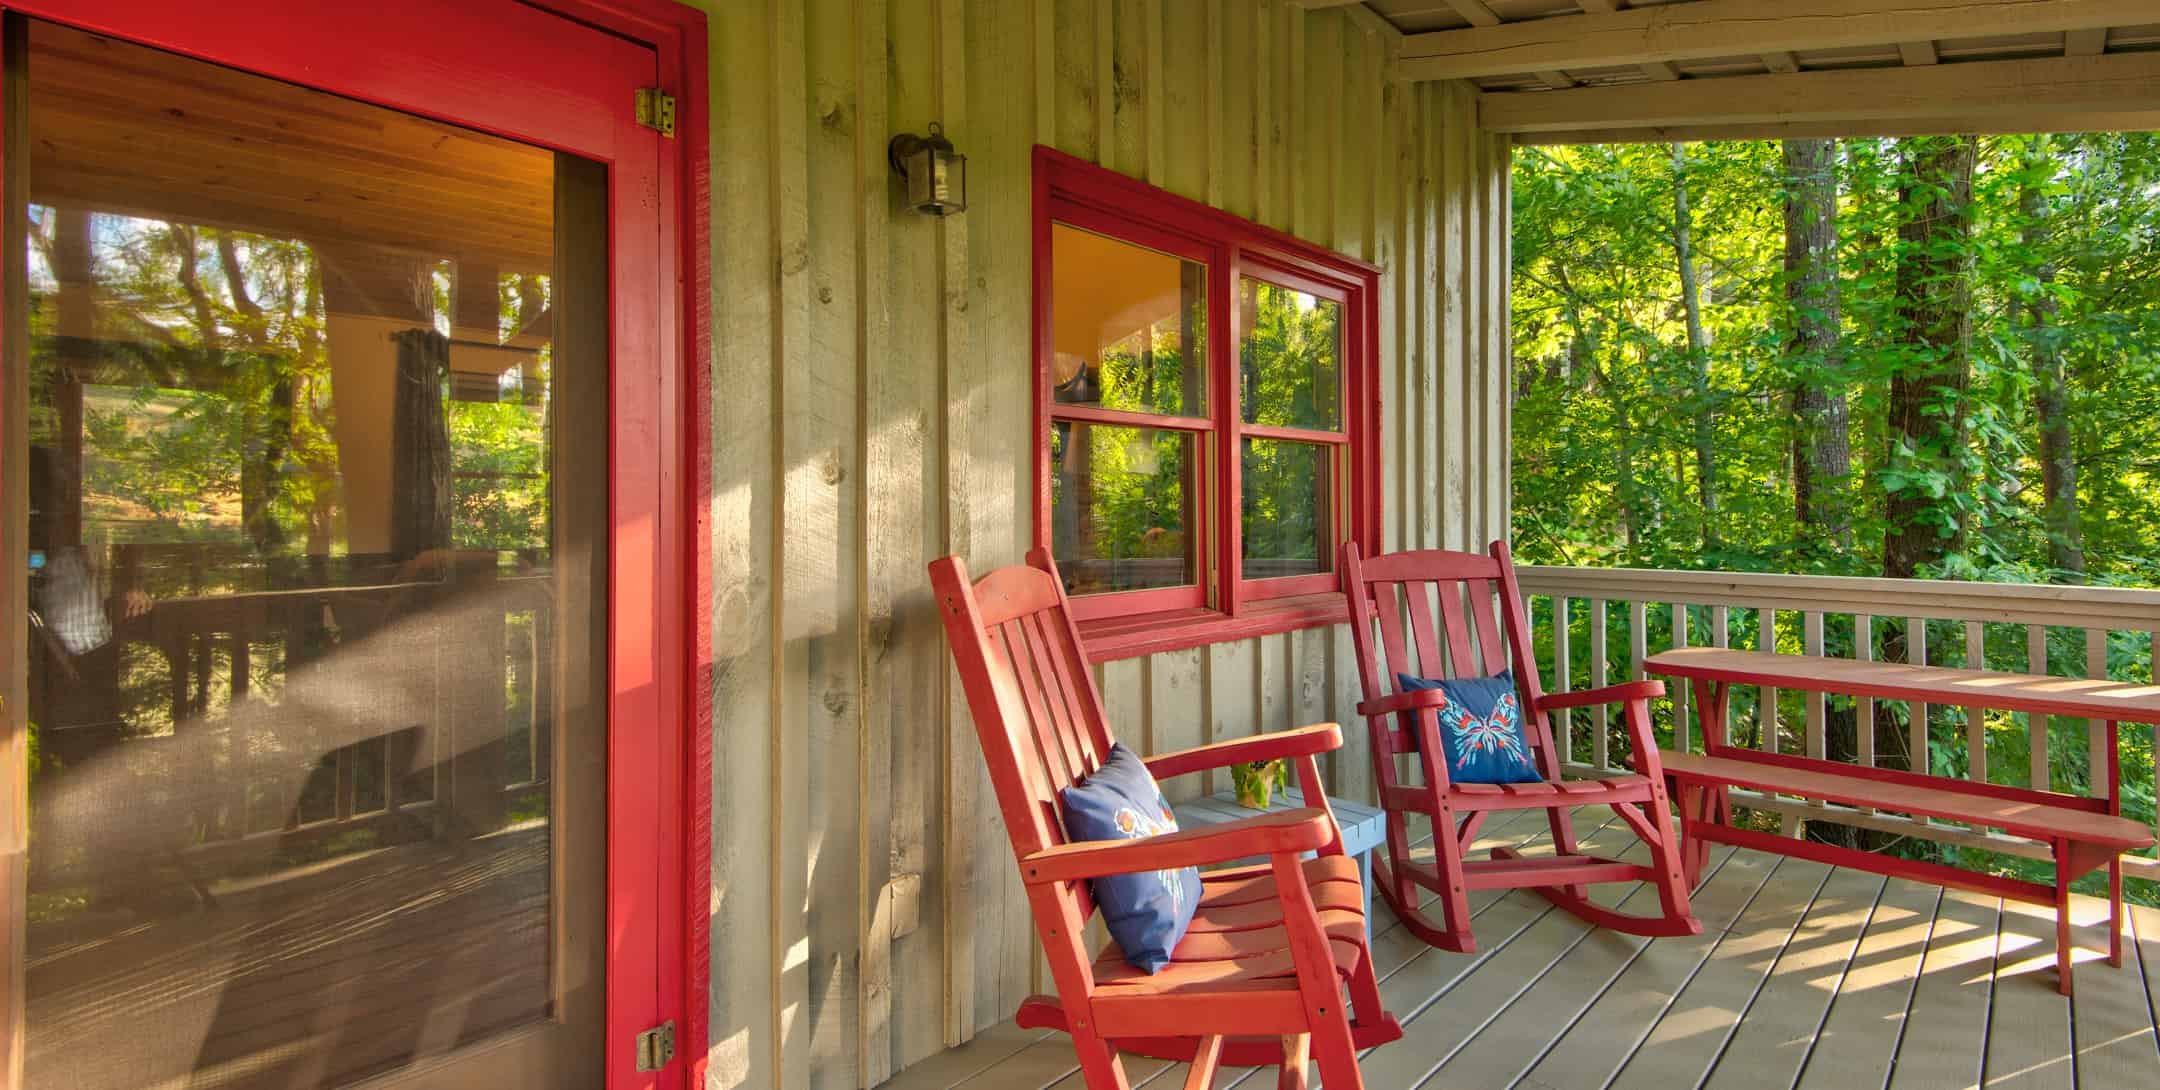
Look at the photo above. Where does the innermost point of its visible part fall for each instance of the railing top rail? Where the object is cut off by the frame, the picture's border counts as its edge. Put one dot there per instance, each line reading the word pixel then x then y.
pixel 2020 603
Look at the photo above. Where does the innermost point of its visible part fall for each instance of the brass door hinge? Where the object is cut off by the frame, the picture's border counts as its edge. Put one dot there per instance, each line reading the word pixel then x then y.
pixel 656 110
pixel 655 1047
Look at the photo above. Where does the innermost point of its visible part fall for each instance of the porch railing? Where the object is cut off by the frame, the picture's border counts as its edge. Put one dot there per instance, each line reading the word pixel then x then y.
pixel 1595 626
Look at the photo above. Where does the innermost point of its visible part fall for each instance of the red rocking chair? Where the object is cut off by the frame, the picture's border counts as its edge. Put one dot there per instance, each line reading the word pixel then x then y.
pixel 1259 979
pixel 1383 592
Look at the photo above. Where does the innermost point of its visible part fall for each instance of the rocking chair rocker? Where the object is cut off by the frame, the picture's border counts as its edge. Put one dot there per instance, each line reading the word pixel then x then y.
pixel 1259 978
pixel 1384 590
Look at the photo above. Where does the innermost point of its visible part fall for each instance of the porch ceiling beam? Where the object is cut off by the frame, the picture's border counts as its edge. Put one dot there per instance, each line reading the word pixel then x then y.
pixel 1727 28
pixel 2055 94
pixel 1994 121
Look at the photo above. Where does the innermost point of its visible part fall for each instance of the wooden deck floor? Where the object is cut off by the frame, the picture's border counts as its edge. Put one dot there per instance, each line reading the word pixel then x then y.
pixel 1805 976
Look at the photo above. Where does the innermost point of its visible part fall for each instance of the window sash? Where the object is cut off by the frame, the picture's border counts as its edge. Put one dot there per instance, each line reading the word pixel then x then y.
pixel 1087 197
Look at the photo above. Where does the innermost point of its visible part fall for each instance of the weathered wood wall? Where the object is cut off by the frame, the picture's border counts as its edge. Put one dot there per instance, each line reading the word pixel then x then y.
pixel 871 393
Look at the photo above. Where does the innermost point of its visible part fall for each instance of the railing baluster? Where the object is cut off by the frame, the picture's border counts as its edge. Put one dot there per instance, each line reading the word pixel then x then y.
pixel 1765 696
pixel 1863 629
pixel 1721 636
pixel 1975 719
pixel 1638 634
pixel 1916 655
pixel 2036 724
pixel 1811 638
pixel 1638 616
pixel 1566 741
pixel 2096 666
pixel 1680 692
pixel 2152 674
pixel 1599 716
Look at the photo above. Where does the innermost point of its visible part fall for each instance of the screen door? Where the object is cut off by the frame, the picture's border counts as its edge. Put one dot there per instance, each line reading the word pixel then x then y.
pixel 311 403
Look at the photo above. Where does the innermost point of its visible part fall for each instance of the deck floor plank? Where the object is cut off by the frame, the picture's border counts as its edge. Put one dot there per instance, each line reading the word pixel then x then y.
pixel 2028 1043
pixel 1690 1031
pixel 1945 1036
pixel 2112 1014
pixel 1469 989
pixel 1765 1041
pixel 1858 1041
pixel 1519 1033
pixel 1607 1033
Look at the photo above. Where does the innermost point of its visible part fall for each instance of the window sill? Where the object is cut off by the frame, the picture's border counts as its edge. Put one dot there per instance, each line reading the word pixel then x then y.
pixel 1110 638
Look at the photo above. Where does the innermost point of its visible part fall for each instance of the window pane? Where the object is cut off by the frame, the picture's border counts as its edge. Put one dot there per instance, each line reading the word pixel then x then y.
pixel 1121 506
pixel 1129 326
pixel 1289 508
pixel 1290 366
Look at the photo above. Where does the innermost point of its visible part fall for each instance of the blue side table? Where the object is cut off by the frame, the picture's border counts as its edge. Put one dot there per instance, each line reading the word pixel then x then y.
pixel 1363 828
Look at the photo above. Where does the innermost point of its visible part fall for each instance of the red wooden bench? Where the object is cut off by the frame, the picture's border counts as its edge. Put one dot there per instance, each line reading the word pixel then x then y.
pixel 2083 834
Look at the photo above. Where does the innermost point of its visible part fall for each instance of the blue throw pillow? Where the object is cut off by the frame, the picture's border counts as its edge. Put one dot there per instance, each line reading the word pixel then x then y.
pixel 1146 913
pixel 1481 726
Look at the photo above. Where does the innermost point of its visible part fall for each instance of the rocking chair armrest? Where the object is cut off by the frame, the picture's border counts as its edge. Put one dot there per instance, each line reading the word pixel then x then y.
pixel 1298 742
pixel 1414 700
pixel 1610 694
pixel 1276 833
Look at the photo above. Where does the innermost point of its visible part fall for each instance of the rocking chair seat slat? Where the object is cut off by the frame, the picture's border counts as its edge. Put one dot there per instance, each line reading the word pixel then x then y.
pixel 1260 960
pixel 1257 949
pixel 1243 903
pixel 1247 885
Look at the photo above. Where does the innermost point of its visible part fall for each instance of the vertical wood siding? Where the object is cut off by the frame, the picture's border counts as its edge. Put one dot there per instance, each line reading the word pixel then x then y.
pixel 871 392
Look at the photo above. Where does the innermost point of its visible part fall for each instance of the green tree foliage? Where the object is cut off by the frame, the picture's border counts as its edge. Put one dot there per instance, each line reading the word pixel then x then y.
pixel 1973 351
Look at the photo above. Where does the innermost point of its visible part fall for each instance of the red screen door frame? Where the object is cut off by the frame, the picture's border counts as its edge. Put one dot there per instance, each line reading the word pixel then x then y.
pixel 554 78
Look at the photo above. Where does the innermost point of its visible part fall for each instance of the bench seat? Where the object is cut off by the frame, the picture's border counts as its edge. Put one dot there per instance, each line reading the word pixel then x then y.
pixel 2081 834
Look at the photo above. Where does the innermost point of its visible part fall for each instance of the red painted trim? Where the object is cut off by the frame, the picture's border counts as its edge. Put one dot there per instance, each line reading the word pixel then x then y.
pixel 1126 603
pixel 1131 635
pixel 1072 191
pixel 452 62
pixel 1294 435
pixel 1127 418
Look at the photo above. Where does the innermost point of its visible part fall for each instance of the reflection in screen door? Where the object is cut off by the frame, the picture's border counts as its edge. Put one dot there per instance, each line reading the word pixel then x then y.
pixel 317 438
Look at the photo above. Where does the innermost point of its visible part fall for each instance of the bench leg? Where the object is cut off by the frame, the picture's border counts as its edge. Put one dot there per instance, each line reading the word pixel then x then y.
pixel 2062 917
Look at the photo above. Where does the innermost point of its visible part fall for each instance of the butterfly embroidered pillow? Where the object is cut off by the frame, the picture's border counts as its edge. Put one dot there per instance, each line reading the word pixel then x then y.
pixel 1147 913
pixel 1481 727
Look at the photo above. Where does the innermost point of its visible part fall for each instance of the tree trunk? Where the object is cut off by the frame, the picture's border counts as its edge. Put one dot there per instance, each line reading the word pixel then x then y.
pixel 1925 470
pixel 1698 348
pixel 2051 390
pixel 1822 441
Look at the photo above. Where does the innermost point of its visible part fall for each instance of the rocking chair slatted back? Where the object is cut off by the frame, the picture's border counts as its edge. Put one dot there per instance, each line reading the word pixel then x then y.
pixel 1449 595
pixel 1047 732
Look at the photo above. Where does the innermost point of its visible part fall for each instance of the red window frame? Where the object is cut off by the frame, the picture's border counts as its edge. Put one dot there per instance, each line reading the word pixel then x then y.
pixel 396 53
pixel 1222 604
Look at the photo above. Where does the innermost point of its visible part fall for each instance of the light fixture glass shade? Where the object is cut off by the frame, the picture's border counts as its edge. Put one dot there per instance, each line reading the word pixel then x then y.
pixel 936 174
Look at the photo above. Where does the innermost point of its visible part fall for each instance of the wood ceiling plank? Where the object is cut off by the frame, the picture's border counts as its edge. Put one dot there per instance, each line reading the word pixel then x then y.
pixel 1724 28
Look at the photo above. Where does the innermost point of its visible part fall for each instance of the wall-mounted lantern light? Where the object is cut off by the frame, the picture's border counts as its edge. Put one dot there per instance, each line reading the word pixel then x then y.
pixel 936 175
